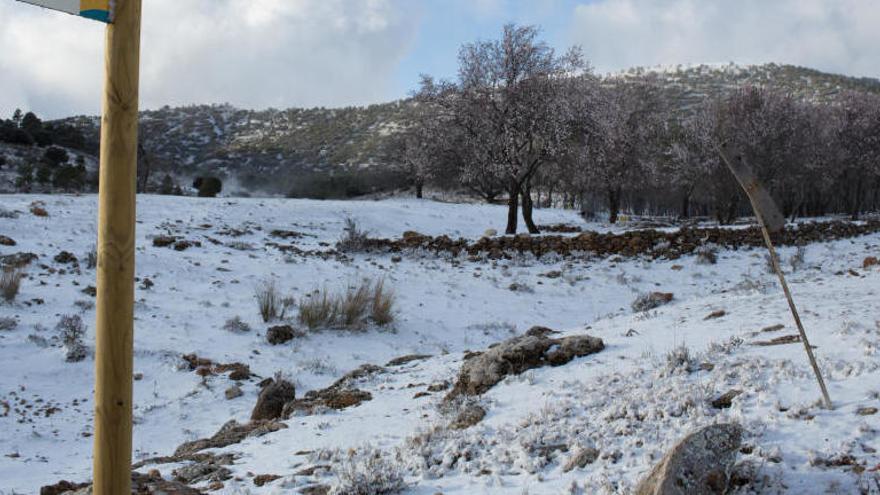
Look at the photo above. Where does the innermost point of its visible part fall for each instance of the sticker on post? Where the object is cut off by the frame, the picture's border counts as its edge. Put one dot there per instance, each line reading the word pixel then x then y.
pixel 99 10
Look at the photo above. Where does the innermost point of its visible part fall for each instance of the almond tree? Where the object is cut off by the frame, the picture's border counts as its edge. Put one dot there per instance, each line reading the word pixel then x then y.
pixel 692 153
pixel 414 150
pixel 858 131
pixel 623 148
pixel 509 105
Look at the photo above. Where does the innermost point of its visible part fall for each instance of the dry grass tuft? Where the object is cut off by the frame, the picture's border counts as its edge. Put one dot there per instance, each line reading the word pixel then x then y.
pixel 318 310
pixel 382 309
pixel 352 309
pixel 10 283
pixel 272 305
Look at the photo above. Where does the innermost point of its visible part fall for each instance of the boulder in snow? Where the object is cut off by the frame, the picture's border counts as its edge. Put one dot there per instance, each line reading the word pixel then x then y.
pixel 699 464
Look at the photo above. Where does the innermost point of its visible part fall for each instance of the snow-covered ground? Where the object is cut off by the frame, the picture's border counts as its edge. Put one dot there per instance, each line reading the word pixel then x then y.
pixel 628 401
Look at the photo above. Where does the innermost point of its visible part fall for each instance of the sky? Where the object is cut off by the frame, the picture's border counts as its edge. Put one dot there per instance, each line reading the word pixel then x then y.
pixel 332 53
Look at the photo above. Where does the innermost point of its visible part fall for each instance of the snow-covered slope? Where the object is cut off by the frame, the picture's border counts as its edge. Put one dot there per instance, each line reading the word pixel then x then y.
pixel 628 401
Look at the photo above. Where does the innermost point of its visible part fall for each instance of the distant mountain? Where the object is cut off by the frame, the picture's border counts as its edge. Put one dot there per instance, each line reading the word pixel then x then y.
pixel 266 149
pixel 688 85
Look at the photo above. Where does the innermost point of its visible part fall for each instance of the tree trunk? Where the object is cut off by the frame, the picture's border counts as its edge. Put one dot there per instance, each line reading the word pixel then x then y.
pixel 512 207
pixel 856 205
pixel 527 207
pixel 685 205
pixel 419 189
pixel 613 204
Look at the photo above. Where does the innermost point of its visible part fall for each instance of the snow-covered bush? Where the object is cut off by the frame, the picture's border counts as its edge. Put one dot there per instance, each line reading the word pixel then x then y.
pixel 353 239
pixel 72 330
pixel 707 254
pixel 237 325
pixel 680 359
pixel 798 259
pixel 367 472
pixel 10 283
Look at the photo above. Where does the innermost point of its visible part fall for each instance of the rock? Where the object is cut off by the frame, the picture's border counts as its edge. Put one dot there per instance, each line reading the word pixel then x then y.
pixel 535 349
pixel 164 240
pixel 141 484
pixel 439 386
pixel 399 361
pixel 361 372
pixel 280 334
pixel 239 371
pixel 651 300
pixel 581 458
pixel 699 464
pixel 65 258
pixel 200 472
pixel 272 399
pixel 230 433
pixel 328 398
pixel 6 241
pixel 17 260
pixel 715 314
pixel 262 479
pixel 866 411
pixel 868 263
pixel 61 487
pixel 469 416
pixel 411 235
pixel 233 392
pixel 539 331
pixel 725 400
pixel 183 245
pixel 490 233
pixel 315 490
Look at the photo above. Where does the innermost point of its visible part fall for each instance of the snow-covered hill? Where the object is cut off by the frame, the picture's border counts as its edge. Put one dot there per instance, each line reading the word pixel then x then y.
pixel 265 148
pixel 630 402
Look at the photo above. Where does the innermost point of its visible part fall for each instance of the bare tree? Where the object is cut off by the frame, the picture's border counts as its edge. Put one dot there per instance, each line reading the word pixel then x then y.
pixel 619 154
pixel 508 104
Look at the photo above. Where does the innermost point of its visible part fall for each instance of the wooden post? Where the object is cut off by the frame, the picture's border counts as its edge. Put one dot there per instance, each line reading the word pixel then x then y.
pixel 769 218
pixel 116 240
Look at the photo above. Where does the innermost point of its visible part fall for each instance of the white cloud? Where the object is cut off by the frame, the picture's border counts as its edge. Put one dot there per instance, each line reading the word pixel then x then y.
pixel 832 35
pixel 252 53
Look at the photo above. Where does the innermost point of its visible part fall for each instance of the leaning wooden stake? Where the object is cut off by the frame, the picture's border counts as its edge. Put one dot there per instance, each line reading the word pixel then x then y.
pixel 116 240
pixel 770 219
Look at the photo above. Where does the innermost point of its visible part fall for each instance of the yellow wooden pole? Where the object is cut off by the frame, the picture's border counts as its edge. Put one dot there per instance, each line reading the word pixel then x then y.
pixel 116 241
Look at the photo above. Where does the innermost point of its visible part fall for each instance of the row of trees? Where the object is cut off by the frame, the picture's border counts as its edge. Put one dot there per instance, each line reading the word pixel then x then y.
pixel 28 129
pixel 523 121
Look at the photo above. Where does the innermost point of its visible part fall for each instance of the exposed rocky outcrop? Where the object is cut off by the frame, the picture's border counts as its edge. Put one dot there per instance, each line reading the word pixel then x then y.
pixel 230 433
pixel 272 399
pixel 151 483
pixel 340 395
pixel 481 371
pixel 699 464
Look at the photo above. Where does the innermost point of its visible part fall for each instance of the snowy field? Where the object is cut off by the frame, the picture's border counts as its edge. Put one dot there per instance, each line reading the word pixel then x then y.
pixel 631 401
